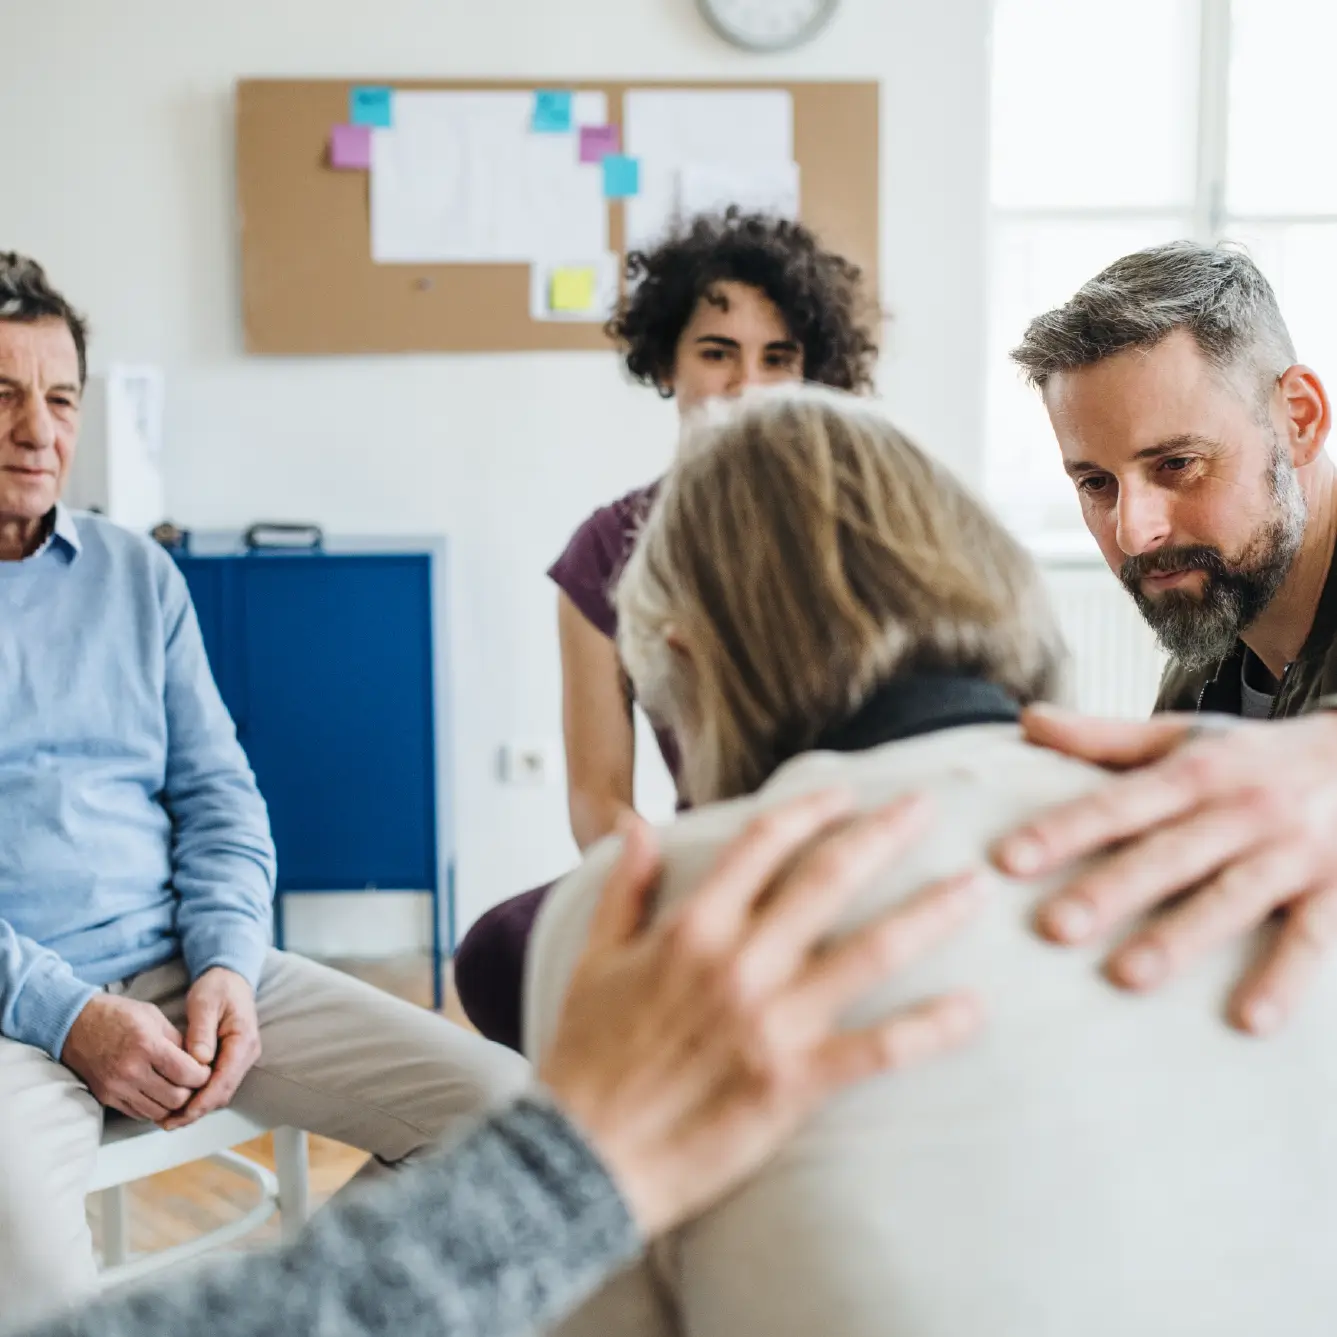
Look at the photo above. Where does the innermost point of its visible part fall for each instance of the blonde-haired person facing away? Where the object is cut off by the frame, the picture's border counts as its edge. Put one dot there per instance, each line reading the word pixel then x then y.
pixel 813 602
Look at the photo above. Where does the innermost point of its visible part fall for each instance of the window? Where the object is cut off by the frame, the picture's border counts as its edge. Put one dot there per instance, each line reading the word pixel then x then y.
pixel 1116 127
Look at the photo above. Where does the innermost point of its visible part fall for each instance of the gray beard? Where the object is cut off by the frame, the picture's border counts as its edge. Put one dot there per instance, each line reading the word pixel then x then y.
pixel 1200 630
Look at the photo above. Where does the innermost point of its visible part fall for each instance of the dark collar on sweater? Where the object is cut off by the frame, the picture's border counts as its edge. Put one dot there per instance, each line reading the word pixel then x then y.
pixel 919 703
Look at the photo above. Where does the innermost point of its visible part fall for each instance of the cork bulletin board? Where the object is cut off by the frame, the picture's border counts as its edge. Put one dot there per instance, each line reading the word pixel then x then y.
pixel 311 286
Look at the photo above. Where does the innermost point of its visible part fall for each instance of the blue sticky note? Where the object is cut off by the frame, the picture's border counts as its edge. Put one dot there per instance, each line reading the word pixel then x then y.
pixel 552 111
pixel 622 176
pixel 369 105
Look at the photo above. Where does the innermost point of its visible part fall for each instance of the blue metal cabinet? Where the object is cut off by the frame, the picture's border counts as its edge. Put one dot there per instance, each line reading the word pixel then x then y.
pixel 326 660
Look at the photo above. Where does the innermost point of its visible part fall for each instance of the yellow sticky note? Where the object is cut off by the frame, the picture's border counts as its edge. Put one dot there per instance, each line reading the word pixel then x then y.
pixel 572 290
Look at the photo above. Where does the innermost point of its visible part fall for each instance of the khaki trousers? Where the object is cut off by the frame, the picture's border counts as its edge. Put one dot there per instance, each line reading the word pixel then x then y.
pixel 340 1059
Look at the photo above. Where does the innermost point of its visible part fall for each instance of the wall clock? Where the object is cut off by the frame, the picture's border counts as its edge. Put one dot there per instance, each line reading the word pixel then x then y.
pixel 768 25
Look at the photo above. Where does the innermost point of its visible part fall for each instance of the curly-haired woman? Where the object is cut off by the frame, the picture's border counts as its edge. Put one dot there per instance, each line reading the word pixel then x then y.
pixel 735 300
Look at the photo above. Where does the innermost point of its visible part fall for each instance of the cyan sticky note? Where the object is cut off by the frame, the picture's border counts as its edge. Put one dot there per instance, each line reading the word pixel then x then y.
pixel 370 105
pixel 622 176
pixel 572 289
pixel 598 141
pixel 350 148
pixel 552 111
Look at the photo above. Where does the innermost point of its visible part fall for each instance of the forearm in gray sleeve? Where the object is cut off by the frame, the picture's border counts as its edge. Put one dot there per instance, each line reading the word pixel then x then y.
pixel 508 1230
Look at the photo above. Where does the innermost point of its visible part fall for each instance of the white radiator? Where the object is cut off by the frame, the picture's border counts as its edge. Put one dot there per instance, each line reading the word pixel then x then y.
pixel 1116 663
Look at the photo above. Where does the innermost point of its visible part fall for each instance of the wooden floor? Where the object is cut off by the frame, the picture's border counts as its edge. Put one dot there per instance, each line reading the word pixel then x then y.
pixel 181 1204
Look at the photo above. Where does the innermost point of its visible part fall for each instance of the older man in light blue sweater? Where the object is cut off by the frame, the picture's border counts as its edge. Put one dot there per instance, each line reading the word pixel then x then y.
pixel 137 868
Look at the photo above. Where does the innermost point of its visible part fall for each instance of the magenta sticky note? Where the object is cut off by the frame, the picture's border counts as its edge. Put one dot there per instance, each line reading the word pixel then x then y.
pixel 350 148
pixel 598 141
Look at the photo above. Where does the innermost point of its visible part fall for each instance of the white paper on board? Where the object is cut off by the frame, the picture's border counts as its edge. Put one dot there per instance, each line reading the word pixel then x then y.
pixel 668 130
pixel 461 178
pixel 563 204
pixel 765 189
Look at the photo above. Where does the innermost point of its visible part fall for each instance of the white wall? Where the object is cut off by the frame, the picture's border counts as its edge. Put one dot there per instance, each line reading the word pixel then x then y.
pixel 118 176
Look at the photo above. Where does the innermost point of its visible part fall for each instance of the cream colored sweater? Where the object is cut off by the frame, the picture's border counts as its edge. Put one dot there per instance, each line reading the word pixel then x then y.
pixel 1097 1165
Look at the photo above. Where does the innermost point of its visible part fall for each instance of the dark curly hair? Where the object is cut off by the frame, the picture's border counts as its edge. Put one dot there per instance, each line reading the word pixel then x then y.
pixel 817 292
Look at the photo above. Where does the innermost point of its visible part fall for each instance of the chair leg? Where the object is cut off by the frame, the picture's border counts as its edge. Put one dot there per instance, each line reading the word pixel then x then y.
pixel 290 1164
pixel 115 1226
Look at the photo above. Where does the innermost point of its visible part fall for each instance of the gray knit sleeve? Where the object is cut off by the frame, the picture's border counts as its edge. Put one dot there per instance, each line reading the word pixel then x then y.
pixel 507 1231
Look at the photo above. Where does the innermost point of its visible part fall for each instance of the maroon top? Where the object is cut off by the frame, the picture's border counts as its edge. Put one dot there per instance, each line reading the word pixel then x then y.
pixel 587 573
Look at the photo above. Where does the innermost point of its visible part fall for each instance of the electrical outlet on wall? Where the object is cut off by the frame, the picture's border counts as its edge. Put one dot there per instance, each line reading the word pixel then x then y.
pixel 528 764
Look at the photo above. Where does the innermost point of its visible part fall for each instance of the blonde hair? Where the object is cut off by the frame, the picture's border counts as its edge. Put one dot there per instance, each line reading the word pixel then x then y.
pixel 802 553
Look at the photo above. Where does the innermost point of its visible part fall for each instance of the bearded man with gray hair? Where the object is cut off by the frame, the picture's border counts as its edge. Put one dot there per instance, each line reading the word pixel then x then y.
pixel 1195 444
pixel 1195 440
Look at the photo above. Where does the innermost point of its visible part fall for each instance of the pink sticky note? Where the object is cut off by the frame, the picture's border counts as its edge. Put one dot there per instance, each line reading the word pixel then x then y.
pixel 350 148
pixel 598 141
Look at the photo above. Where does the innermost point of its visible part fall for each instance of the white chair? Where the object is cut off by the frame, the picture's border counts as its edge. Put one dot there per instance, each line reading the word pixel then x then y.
pixel 132 1150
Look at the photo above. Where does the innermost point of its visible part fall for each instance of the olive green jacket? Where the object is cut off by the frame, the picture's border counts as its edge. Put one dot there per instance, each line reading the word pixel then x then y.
pixel 1307 680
